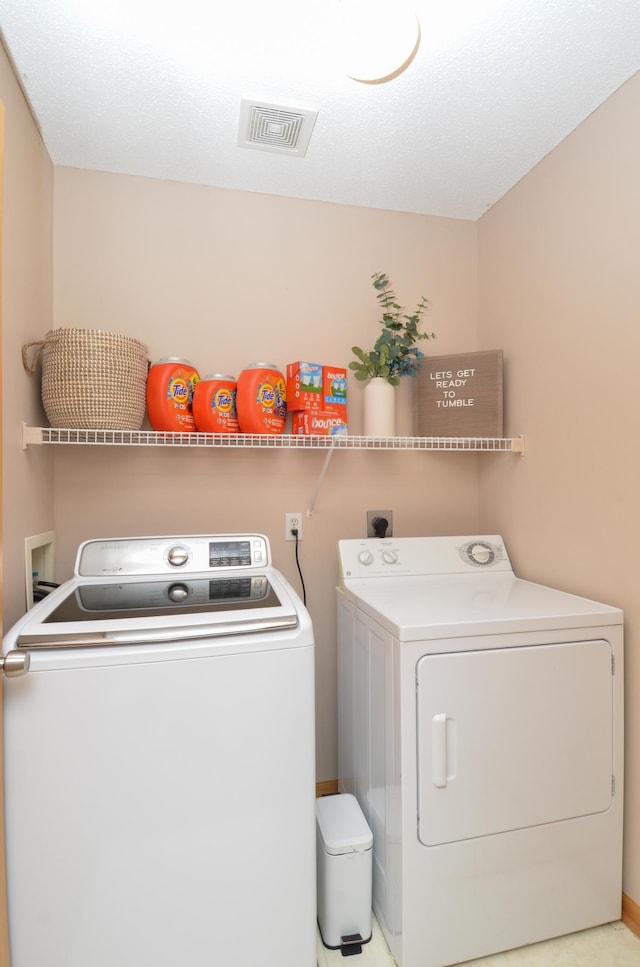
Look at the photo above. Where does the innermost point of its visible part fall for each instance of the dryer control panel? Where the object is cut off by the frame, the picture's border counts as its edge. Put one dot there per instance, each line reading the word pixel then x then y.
pixel 402 556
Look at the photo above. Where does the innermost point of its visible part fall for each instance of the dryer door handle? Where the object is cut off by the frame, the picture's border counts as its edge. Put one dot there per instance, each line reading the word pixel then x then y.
pixel 439 750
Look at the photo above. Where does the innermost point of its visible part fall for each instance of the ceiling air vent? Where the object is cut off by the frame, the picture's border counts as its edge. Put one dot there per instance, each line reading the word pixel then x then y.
pixel 272 127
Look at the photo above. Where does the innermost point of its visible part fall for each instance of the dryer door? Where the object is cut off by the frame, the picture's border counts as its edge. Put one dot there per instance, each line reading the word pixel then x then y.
pixel 511 738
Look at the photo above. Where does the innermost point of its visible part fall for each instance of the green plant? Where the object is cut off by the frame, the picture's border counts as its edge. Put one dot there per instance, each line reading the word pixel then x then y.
pixel 395 352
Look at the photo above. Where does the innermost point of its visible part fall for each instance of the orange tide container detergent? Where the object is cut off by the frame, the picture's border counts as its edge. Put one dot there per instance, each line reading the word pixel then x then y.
pixel 261 399
pixel 214 404
pixel 170 386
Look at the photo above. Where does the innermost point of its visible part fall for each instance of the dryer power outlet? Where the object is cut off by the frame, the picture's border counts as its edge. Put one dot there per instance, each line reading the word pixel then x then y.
pixel 379 523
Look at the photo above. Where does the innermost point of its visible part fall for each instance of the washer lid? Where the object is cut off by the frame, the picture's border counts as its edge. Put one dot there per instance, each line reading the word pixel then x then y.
pixel 342 826
pixel 116 611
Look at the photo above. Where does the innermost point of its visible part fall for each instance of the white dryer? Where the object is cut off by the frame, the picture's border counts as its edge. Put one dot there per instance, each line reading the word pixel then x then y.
pixel 481 729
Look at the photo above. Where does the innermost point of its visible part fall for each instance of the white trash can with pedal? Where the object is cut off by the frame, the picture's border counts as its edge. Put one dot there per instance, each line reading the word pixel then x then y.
pixel 344 845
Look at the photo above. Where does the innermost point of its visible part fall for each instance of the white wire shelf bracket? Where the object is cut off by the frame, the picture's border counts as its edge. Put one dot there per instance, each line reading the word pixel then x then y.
pixel 36 436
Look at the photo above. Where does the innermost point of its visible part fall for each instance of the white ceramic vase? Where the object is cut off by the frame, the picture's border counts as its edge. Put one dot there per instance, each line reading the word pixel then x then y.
pixel 379 408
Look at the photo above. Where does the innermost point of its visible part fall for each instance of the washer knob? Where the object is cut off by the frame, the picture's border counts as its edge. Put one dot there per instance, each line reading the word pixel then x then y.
pixel 178 555
pixel 365 557
pixel 390 557
pixel 178 593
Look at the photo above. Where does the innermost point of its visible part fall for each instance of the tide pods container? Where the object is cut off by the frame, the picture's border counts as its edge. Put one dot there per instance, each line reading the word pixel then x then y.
pixel 214 404
pixel 261 399
pixel 170 386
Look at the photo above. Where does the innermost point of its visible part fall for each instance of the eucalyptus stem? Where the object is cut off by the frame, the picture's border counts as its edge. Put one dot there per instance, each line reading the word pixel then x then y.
pixel 394 353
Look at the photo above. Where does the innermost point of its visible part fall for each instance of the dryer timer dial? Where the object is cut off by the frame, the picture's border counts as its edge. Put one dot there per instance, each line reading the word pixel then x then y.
pixel 481 553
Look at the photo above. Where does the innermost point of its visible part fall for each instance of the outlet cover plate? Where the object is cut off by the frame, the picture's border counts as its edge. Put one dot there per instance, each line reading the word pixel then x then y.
pixel 292 520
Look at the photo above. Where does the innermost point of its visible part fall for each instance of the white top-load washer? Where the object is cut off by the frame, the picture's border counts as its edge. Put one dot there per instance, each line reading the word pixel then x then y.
pixel 481 729
pixel 159 761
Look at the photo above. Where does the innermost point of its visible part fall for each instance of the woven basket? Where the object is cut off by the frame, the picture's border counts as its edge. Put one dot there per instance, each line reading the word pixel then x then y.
pixel 91 380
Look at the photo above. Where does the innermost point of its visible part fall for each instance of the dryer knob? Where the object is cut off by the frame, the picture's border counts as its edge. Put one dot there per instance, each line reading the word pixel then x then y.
pixel 390 557
pixel 178 593
pixel 178 555
pixel 481 553
pixel 365 557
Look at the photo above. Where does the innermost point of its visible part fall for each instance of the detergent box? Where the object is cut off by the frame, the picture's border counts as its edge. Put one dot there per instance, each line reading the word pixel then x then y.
pixel 317 423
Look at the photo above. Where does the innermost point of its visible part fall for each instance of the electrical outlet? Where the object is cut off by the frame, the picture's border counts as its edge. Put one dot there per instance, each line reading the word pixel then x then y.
pixel 292 522
pixel 375 523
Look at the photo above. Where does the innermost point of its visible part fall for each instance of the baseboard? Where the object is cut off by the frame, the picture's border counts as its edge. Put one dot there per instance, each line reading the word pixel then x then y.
pixel 327 788
pixel 631 914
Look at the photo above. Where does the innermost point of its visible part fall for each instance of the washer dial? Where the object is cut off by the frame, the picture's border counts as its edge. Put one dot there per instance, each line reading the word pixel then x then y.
pixel 178 555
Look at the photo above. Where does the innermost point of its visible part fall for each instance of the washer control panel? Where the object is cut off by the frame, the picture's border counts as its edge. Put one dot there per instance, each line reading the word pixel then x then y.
pixel 377 557
pixel 173 555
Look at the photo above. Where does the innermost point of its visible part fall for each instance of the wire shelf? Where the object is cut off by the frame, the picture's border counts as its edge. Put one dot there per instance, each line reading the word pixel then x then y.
pixel 34 436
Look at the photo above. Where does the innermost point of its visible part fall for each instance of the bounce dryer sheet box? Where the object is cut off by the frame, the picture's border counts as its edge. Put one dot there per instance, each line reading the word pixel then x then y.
pixel 334 389
pixel 313 386
pixel 317 423
pixel 304 386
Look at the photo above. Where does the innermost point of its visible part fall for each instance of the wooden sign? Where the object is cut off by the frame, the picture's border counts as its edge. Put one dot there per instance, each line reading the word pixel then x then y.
pixel 460 395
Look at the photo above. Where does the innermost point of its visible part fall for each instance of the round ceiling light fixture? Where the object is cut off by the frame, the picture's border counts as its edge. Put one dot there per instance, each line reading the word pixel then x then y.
pixel 380 38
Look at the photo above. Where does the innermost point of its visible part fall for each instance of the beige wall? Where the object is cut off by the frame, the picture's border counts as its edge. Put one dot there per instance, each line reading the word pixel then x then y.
pixel 225 278
pixel 26 306
pixel 26 309
pixel 559 291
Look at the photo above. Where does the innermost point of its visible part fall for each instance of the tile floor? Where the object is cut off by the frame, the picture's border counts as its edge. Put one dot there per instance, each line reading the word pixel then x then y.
pixel 612 945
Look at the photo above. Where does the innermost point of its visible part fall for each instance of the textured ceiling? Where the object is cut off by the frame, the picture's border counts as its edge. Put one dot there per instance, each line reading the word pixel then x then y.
pixel 153 88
